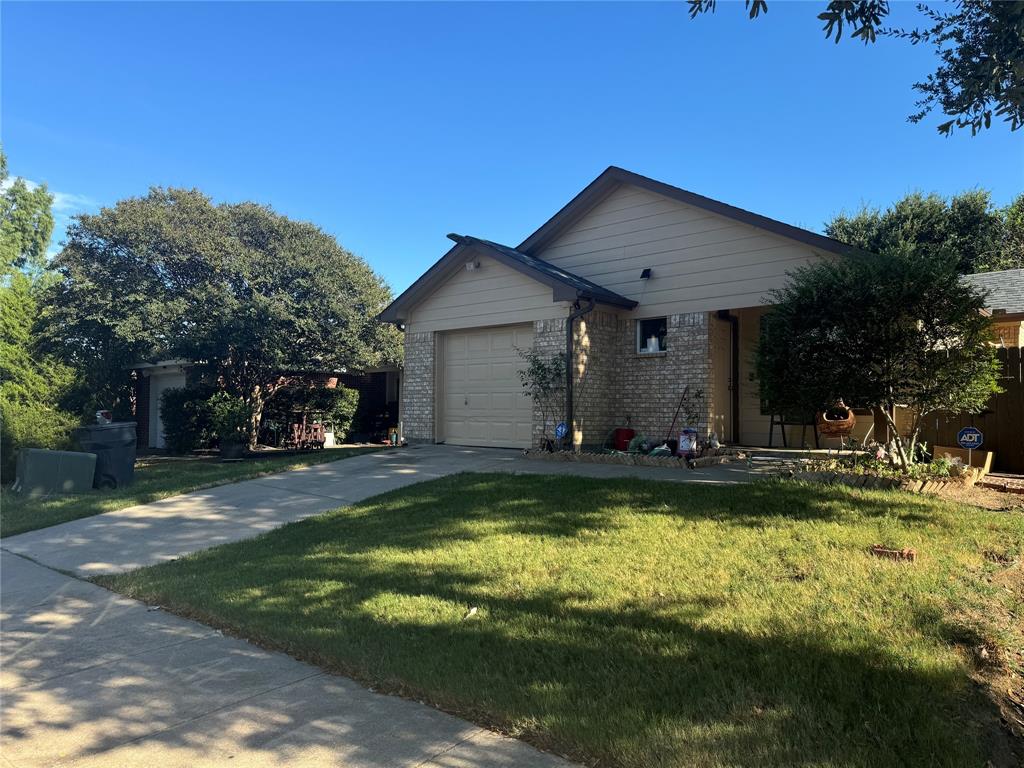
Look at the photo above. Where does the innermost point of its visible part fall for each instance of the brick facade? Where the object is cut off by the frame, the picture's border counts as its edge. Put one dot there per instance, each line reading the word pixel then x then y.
pixel 417 405
pixel 614 386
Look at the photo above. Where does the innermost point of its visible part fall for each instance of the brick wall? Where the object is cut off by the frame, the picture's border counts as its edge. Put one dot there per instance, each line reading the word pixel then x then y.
pixel 614 386
pixel 597 406
pixel 141 410
pixel 624 388
pixel 417 408
pixel 653 384
pixel 549 340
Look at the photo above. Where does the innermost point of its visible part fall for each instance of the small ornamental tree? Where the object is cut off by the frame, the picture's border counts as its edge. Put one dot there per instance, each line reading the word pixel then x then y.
pixel 878 331
pixel 543 381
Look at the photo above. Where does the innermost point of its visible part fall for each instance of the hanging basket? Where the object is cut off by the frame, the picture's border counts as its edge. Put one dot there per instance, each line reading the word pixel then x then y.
pixel 837 421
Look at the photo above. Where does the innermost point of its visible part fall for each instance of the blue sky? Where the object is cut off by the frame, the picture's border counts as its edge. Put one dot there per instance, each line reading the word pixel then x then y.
pixel 391 124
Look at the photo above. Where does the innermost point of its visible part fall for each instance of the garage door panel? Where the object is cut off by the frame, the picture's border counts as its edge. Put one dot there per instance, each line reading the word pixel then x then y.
pixel 501 341
pixel 478 371
pixel 482 398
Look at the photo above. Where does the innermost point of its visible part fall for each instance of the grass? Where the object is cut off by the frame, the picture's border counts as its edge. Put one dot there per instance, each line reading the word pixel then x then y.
pixel 629 623
pixel 154 479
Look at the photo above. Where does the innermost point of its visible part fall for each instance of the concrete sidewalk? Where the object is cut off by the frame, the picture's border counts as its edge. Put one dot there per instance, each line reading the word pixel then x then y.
pixel 90 678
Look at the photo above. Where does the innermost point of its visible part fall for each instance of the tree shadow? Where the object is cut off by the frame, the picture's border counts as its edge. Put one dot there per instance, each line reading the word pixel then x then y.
pixel 644 681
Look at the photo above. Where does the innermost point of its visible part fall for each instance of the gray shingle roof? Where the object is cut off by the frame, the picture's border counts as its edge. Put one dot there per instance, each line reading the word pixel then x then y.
pixel 583 287
pixel 1005 289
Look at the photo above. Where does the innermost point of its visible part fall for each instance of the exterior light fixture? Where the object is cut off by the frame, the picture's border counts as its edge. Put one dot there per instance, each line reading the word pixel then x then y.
pixel 646 274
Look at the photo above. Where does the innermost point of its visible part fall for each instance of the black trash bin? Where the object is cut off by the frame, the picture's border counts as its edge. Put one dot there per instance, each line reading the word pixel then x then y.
pixel 114 446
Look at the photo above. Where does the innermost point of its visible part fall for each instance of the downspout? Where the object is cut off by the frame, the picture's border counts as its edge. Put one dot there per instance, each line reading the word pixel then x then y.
pixel 577 312
pixel 734 419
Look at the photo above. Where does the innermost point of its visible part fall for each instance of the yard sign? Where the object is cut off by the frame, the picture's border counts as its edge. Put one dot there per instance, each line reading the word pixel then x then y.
pixel 970 438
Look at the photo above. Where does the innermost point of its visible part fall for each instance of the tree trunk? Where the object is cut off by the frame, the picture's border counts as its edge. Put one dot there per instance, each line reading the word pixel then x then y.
pixel 901 452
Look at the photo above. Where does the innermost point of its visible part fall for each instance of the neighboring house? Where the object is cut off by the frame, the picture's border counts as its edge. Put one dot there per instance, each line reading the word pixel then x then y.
pixel 1005 300
pixel 378 393
pixel 663 289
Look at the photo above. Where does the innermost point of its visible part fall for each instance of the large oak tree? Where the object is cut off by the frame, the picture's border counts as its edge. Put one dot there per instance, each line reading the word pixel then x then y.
pixel 247 294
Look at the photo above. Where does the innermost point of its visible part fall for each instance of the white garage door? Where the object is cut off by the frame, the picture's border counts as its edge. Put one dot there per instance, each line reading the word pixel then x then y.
pixel 482 396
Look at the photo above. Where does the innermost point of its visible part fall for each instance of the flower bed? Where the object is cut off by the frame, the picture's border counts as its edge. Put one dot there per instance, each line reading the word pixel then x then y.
pixel 711 458
pixel 862 480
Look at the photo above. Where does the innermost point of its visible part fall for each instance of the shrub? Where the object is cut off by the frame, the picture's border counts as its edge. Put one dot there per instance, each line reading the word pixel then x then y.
pixel 232 418
pixel 187 418
pixel 30 425
pixel 335 408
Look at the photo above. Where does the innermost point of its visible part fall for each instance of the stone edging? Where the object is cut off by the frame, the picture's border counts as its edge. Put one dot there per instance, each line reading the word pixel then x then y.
pixel 634 459
pixel 853 480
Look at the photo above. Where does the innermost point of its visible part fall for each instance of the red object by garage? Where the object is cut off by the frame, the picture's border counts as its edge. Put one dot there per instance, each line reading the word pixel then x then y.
pixel 622 438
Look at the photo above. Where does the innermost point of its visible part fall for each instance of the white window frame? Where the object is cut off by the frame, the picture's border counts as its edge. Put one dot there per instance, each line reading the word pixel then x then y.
pixel 641 343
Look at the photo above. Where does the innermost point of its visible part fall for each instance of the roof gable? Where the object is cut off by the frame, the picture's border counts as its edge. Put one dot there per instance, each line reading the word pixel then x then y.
pixel 565 286
pixel 614 177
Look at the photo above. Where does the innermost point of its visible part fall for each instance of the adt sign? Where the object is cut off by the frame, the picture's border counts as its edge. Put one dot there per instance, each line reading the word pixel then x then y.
pixel 561 430
pixel 970 438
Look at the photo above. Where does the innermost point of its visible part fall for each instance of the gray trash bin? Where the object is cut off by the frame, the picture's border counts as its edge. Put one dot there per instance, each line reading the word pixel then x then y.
pixel 114 446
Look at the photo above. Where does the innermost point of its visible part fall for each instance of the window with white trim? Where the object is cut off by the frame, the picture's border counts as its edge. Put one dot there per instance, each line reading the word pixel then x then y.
pixel 650 335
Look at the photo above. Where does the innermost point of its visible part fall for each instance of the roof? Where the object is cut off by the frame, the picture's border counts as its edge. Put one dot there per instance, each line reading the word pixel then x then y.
pixel 579 287
pixel 614 177
pixel 1005 289
pixel 565 286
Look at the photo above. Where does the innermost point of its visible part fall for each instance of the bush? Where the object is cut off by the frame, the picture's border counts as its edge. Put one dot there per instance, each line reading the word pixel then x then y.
pixel 187 418
pixel 30 425
pixel 232 418
pixel 334 408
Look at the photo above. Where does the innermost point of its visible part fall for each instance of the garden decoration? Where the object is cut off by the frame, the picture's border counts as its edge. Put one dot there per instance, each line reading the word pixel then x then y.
pixel 837 421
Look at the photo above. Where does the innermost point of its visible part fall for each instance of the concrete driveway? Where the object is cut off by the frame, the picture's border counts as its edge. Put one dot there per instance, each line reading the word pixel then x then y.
pixel 90 678
pixel 164 530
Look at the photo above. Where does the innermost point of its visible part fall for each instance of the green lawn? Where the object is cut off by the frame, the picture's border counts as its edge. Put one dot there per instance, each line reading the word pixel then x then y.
pixel 154 479
pixel 637 624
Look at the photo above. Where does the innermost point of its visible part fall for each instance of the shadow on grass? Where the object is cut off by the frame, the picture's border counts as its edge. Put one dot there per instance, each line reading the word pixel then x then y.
pixel 643 684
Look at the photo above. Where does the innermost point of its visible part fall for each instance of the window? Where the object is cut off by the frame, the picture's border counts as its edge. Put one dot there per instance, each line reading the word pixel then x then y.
pixel 650 335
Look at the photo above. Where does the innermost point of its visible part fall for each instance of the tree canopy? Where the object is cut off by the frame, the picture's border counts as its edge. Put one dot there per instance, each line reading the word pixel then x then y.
pixel 878 331
pixel 979 44
pixel 242 291
pixel 31 384
pixel 26 222
pixel 966 230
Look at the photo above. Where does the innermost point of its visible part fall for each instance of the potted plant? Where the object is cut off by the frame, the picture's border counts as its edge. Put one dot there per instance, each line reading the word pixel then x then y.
pixel 837 421
pixel 232 418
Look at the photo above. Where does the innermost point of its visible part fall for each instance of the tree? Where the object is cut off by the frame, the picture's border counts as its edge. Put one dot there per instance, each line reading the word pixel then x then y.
pixel 26 222
pixel 30 383
pixel 967 229
pixel 1012 245
pixel 980 46
pixel 247 294
pixel 878 331
pixel 543 379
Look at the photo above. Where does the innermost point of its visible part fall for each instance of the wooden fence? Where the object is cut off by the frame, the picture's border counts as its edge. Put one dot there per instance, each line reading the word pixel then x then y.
pixel 1001 423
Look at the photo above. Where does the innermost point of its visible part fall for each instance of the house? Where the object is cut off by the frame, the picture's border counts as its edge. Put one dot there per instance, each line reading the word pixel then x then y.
pixel 1005 301
pixel 661 288
pixel 378 395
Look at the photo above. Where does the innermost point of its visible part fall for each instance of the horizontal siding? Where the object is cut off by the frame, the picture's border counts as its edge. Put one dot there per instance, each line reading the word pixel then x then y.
pixel 700 261
pixel 492 295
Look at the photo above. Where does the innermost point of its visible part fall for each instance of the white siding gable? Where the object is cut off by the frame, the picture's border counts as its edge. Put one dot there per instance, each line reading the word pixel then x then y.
pixel 700 261
pixel 494 294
